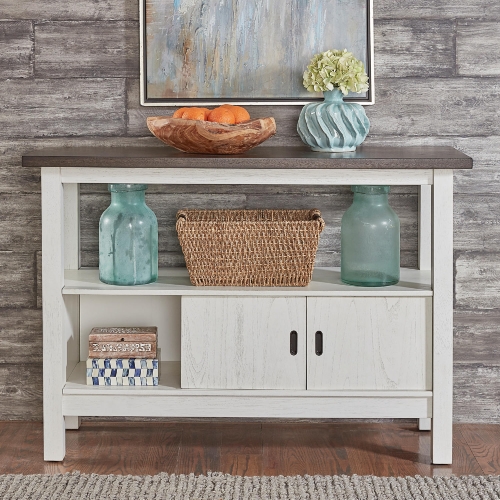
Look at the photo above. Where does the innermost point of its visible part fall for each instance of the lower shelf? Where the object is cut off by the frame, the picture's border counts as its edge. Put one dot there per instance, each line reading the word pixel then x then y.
pixel 169 400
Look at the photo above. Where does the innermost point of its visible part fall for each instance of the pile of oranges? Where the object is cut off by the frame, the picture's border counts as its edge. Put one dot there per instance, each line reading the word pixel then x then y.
pixel 227 113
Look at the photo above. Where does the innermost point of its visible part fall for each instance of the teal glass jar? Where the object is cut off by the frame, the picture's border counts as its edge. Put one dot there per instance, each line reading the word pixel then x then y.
pixel 369 254
pixel 128 238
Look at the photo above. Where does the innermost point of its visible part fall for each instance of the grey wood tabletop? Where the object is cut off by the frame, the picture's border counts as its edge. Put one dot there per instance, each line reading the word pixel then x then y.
pixel 277 157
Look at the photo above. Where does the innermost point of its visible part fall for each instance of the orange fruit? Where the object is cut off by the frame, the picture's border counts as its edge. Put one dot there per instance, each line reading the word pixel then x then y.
pixel 178 113
pixel 222 115
pixel 194 114
pixel 239 112
pixel 207 112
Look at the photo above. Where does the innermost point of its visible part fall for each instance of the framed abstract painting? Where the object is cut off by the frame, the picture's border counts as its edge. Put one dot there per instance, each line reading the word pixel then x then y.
pixel 246 51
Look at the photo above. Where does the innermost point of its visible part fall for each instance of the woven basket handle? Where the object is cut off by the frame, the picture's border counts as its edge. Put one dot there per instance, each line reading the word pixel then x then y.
pixel 181 214
pixel 315 214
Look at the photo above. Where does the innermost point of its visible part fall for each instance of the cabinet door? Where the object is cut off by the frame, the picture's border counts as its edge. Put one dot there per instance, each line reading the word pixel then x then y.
pixel 243 342
pixel 378 343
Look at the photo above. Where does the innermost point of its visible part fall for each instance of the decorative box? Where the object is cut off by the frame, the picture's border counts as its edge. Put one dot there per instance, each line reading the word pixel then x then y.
pixel 114 372
pixel 123 342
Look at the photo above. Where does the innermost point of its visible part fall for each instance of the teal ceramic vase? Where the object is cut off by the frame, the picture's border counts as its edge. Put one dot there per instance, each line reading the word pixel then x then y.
pixel 333 126
pixel 128 238
pixel 369 249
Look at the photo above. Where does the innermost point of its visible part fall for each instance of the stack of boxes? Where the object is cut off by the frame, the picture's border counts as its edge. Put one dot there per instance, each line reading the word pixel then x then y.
pixel 123 356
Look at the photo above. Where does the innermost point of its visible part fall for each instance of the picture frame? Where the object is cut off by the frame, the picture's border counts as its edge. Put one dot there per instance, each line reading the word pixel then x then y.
pixel 246 52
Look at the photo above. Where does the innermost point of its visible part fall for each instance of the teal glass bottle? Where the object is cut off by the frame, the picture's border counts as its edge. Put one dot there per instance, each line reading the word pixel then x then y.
pixel 128 238
pixel 370 231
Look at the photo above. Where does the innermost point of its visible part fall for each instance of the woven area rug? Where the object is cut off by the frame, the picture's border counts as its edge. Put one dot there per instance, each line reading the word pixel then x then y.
pixel 216 486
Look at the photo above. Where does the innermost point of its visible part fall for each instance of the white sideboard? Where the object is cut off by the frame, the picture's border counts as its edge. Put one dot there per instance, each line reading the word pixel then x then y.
pixel 357 353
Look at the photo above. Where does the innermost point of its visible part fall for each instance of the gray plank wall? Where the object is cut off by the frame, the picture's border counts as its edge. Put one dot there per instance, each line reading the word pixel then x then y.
pixel 69 75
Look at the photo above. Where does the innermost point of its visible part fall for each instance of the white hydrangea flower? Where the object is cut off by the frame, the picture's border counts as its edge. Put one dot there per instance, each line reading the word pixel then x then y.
pixel 335 69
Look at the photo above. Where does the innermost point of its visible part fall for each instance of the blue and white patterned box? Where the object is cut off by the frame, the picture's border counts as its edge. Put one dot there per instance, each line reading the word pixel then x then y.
pixel 115 372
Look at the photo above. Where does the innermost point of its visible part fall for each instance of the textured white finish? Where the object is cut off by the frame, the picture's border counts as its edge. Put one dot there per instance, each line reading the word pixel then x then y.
pixel 442 265
pixel 175 281
pixel 168 400
pixel 146 405
pixel 71 199
pixel 370 343
pixel 170 385
pixel 72 422
pixel 54 347
pixel 384 362
pixel 325 177
pixel 424 424
pixel 242 342
pixel 161 311
pixel 424 228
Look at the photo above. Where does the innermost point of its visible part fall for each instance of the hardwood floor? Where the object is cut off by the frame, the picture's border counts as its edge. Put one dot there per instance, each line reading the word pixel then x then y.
pixel 249 448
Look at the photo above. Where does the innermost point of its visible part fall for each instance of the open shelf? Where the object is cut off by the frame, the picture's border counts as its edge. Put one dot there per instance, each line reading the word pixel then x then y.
pixel 170 385
pixel 175 281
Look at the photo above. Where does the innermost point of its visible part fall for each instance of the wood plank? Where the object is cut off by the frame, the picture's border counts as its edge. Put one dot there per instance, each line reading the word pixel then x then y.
pixel 250 345
pixel 482 440
pixel 92 106
pixel 62 10
pixel 124 448
pixel 476 282
pixel 478 42
pixel 20 222
pixel 416 47
pixel 18 279
pixel 442 321
pixel 441 106
pixel 369 343
pixel 20 336
pixel 55 317
pixel 200 450
pixel 463 456
pixel 403 159
pixel 285 450
pixel 477 387
pixel 477 223
pixel 437 9
pixel 14 179
pixel 476 337
pixel 38 278
pixel 241 449
pixel 16 49
pixel 21 391
pixel 96 49
pixel 326 448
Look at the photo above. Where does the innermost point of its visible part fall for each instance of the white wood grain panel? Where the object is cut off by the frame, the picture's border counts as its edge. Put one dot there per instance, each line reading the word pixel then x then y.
pixel 175 281
pixel 442 264
pixel 71 197
pixel 324 177
pixel 242 342
pixel 54 314
pixel 148 405
pixel 72 422
pixel 370 343
pixel 170 385
pixel 424 228
pixel 424 424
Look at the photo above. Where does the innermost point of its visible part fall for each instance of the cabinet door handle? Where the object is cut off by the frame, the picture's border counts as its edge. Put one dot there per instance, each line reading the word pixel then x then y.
pixel 293 342
pixel 318 343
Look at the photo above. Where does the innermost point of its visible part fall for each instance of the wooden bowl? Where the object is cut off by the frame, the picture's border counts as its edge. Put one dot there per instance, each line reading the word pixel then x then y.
pixel 193 136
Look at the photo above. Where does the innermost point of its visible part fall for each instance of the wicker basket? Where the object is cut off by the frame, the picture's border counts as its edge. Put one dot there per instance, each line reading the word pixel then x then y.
pixel 249 247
